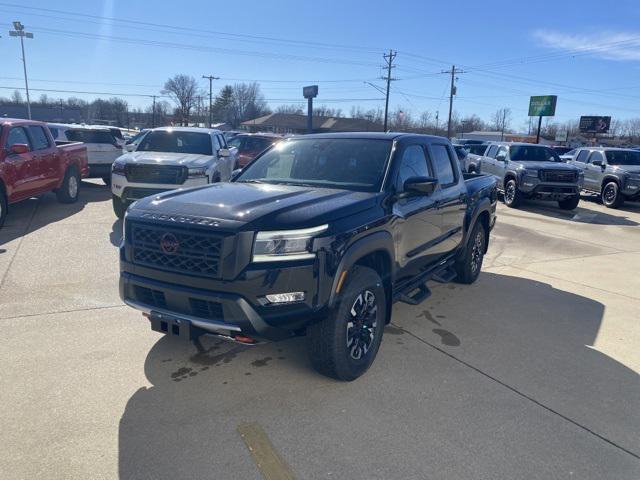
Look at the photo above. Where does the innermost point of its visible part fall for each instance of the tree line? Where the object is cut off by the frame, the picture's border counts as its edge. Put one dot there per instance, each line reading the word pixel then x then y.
pixel 183 101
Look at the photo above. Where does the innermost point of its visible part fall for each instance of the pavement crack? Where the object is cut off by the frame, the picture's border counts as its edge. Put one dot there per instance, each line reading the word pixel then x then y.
pixel 519 393
pixel 86 309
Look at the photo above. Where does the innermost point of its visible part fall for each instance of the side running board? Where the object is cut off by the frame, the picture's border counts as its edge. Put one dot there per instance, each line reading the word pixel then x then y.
pixel 419 294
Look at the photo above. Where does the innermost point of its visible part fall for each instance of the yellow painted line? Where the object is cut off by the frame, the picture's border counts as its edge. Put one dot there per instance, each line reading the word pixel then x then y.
pixel 270 464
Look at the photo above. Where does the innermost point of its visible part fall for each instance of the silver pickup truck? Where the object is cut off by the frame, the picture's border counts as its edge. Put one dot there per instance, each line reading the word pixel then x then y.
pixel 526 170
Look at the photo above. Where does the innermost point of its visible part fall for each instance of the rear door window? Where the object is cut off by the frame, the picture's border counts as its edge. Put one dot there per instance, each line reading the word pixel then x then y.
pixel 39 138
pixel 443 165
pixel 17 135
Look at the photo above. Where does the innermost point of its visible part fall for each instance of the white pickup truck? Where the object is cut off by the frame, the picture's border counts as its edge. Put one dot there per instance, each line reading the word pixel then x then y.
pixel 168 158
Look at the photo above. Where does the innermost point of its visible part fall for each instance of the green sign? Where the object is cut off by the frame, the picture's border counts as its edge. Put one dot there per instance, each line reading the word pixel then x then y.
pixel 543 106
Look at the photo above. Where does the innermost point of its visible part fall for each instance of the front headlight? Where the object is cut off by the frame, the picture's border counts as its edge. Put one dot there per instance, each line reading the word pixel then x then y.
pixel 530 172
pixel 197 172
pixel 285 244
pixel 118 167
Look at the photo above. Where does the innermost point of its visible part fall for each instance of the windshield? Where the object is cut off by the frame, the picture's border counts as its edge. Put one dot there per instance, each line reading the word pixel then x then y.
pixel 346 163
pixel 533 153
pixel 91 136
pixel 176 142
pixel 623 157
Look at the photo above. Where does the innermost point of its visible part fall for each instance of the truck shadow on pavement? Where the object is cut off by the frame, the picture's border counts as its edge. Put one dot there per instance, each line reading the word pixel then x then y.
pixel 38 212
pixel 524 335
pixel 582 214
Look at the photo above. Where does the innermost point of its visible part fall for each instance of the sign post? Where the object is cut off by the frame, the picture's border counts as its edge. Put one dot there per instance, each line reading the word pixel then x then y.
pixel 310 93
pixel 542 106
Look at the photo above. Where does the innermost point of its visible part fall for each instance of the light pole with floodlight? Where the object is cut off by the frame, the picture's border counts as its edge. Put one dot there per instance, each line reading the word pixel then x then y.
pixel 19 32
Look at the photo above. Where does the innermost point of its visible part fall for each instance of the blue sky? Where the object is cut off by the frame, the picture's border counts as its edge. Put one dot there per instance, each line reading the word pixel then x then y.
pixel 586 52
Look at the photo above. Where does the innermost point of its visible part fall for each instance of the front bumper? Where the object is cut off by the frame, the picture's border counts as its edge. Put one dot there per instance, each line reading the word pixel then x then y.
pixel 226 308
pixel 535 188
pixel 131 191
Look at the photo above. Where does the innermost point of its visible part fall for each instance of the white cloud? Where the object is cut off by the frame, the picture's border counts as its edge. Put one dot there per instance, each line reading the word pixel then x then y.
pixel 620 46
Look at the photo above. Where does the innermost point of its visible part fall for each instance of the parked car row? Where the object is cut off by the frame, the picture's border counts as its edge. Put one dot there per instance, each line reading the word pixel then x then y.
pixel 552 173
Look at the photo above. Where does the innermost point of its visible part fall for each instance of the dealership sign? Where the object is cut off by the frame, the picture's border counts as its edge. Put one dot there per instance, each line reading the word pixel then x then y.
pixel 594 124
pixel 543 106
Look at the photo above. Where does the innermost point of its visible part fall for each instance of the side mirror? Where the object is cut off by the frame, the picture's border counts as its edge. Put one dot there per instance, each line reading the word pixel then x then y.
pixel 597 163
pixel 419 185
pixel 235 173
pixel 130 147
pixel 19 148
pixel 224 152
pixel 501 158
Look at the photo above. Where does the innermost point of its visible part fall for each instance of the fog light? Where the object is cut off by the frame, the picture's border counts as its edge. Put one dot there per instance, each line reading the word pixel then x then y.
pixel 285 297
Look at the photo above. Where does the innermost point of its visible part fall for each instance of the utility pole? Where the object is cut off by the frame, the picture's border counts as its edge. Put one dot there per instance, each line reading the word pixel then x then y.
pixel 153 112
pixel 437 117
pixel 19 32
pixel 452 92
pixel 389 58
pixel 504 120
pixel 211 79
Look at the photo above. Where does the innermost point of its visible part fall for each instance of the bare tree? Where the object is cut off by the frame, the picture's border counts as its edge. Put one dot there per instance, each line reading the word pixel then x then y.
pixel 247 103
pixel 425 120
pixel 183 90
pixel 294 109
pixel 501 119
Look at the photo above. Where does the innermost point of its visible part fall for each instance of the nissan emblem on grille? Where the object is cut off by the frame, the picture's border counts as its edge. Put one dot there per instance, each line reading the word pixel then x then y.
pixel 169 243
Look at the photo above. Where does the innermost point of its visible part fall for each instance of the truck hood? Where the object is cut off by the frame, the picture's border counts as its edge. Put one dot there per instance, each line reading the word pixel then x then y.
pixel 547 165
pixel 165 158
pixel 250 206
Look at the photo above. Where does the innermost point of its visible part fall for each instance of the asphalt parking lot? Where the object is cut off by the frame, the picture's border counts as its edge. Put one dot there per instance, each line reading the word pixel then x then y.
pixel 532 372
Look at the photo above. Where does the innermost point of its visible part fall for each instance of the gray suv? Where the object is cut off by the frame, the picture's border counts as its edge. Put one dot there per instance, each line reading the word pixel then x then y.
pixel 612 173
pixel 526 170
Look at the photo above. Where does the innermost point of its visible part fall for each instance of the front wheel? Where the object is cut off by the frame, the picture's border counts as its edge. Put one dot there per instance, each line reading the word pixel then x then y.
pixel 512 196
pixel 570 203
pixel 469 262
pixel 119 207
pixel 70 188
pixel 3 206
pixel 344 345
pixel 611 195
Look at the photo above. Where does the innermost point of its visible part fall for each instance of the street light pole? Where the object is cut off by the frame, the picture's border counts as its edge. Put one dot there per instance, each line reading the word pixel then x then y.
pixel 19 32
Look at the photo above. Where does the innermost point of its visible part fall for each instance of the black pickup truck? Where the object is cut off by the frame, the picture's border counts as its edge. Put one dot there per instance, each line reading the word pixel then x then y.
pixel 319 235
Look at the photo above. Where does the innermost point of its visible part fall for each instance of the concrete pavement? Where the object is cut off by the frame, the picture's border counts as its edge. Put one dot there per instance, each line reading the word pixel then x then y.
pixel 532 372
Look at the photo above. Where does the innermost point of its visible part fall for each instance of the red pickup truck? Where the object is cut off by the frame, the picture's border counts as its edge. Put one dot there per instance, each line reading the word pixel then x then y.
pixel 31 163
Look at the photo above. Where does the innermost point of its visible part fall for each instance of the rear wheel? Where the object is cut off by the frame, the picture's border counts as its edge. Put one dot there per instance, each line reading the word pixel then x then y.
pixel 70 188
pixel 611 196
pixel 345 344
pixel 512 196
pixel 469 262
pixel 570 203
pixel 119 207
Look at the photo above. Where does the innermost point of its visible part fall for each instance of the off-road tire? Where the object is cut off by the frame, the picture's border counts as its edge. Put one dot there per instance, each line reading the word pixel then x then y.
pixel 119 207
pixel 69 191
pixel 469 262
pixel 328 346
pixel 611 195
pixel 512 198
pixel 570 203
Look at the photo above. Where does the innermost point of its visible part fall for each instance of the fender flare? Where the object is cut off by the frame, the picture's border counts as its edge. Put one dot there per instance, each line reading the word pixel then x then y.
pixel 611 178
pixel 378 241
pixel 483 206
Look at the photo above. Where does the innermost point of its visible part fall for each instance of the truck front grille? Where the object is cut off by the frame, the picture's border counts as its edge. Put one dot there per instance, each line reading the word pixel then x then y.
pixel 558 176
pixel 176 250
pixel 154 298
pixel 204 309
pixel 161 174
